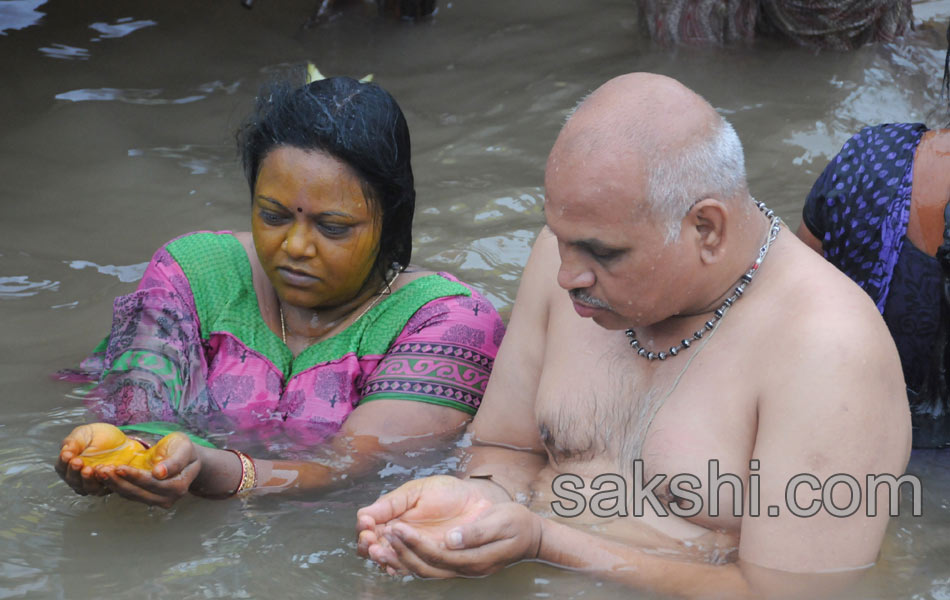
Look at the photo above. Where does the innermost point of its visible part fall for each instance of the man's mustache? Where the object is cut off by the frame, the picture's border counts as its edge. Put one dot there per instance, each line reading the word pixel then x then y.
pixel 583 297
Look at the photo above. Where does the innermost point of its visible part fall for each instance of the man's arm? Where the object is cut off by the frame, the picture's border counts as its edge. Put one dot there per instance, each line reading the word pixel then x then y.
pixel 839 415
pixel 504 433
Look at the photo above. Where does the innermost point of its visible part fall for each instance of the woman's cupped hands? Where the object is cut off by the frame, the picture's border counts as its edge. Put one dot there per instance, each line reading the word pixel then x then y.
pixel 98 459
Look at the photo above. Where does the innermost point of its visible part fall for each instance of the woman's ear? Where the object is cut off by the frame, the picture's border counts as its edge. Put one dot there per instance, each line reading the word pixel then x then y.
pixel 708 218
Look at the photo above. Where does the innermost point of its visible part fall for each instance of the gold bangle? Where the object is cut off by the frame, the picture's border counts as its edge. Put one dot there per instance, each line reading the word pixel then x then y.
pixel 248 473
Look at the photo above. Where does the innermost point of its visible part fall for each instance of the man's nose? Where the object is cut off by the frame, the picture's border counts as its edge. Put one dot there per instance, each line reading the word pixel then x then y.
pixel 299 242
pixel 573 273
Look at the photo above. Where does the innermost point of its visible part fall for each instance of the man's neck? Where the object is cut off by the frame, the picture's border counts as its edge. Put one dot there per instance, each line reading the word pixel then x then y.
pixel 749 233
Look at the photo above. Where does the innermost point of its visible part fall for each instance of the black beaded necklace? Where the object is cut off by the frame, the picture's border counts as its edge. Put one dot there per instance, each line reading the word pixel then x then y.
pixel 775 224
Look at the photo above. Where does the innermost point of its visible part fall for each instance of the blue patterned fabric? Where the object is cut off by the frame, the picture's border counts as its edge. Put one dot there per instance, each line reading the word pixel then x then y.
pixel 859 205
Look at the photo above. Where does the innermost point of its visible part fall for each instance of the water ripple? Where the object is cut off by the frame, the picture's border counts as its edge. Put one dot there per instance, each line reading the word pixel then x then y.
pixel 64 52
pixel 125 273
pixel 19 14
pixel 20 286
pixel 199 160
pixel 129 96
pixel 121 28
pixel 886 93
pixel 148 97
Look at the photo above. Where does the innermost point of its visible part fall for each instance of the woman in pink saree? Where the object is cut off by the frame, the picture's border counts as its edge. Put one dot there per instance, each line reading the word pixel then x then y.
pixel 309 330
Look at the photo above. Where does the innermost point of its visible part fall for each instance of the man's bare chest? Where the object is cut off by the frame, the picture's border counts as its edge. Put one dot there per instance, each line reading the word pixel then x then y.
pixel 683 428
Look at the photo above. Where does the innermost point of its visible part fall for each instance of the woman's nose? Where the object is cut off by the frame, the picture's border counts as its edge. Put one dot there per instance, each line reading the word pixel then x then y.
pixel 298 243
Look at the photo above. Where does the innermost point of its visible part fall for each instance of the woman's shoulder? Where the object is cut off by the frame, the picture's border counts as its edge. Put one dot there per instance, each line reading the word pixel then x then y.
pixel 206 250
pixel 875 158
pixel 202 239
pixel 185 253
pixel 410 274
pixel 440 285
pixel 214 262
pixel 456 306
pixel 419 295
pixel 884 141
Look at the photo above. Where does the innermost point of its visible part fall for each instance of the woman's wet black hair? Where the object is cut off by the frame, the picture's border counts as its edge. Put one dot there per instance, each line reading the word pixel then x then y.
pixel 357 123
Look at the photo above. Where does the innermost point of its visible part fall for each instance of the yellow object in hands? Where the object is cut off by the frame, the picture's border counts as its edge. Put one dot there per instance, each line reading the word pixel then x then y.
pixel 110 446
pixel 151 457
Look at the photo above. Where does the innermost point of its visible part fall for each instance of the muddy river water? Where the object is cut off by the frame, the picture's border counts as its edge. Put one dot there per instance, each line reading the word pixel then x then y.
pixel 117 135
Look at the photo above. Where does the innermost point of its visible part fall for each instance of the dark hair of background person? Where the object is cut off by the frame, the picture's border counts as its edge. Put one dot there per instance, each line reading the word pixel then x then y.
pixel 357 123
pixel 930 410
pixel 946 75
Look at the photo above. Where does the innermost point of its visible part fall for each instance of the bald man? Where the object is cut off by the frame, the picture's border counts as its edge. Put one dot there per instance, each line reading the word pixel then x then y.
pixel 675 358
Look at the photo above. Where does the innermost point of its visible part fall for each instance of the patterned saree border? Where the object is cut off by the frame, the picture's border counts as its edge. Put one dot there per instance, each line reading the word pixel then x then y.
pixel 446 374
pixel 471 410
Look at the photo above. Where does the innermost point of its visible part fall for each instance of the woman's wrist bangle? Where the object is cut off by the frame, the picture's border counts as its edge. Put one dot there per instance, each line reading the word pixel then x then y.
pixel 248 473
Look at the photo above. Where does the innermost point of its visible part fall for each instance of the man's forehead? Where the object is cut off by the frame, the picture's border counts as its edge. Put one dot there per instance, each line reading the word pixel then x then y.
pixel 586 190
pixel 601 163
pixel 596 223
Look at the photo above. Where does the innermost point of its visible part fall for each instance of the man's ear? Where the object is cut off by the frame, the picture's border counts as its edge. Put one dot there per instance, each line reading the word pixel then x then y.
pixel 708 218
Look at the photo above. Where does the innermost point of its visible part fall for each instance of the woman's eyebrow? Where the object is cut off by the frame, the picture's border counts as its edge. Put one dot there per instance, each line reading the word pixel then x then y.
pixel 334 213
pixel 271 200
pixel 327 213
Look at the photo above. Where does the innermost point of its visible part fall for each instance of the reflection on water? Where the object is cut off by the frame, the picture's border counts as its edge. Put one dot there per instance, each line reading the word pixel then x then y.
pixel 150 96
pixel 110 149
pixel 125 273
pixel 121 28
pixel 20 286
pixel 65 52
pixel 19 14
pixel 198 160
pixel 130 96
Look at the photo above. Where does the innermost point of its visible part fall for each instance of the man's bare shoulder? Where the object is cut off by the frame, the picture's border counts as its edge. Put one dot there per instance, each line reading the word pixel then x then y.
pixel 833 367
pixel 544 258
pixel 539 278
pixel 821 308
